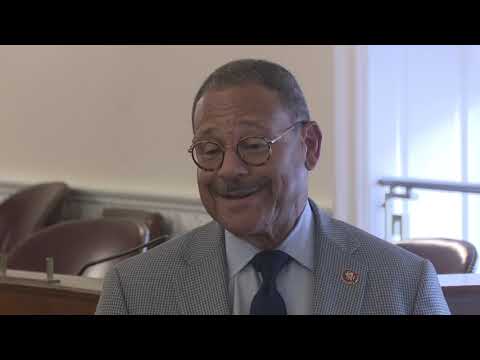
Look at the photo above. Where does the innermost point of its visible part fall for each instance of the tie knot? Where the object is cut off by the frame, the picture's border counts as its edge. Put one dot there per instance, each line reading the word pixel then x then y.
pixel 269 263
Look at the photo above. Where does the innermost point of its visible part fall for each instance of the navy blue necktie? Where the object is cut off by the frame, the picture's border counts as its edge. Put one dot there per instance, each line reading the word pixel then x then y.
pixel 268 301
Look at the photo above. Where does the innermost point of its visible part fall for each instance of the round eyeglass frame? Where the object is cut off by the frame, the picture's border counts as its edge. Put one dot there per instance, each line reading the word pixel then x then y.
pixel 269 142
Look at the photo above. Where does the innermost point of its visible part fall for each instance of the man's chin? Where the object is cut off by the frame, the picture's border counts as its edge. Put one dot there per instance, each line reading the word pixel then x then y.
pixel 241 229
pixel 238 206
pixel 243 216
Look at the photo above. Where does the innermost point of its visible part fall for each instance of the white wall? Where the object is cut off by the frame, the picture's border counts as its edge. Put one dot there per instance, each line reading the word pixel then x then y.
pixel 118 117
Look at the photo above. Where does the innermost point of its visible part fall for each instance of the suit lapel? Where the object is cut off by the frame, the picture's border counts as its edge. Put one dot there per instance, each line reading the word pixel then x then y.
pixel 339 278
pixel 201 287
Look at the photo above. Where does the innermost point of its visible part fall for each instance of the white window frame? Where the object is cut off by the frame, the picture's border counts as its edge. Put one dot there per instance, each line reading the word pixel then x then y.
pixel 351 185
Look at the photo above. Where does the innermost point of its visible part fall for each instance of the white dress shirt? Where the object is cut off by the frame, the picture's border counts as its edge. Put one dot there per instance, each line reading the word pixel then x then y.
pixel 294 282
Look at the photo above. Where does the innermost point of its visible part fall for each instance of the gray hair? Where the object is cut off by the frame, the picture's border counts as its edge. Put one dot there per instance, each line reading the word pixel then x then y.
pixel 270 75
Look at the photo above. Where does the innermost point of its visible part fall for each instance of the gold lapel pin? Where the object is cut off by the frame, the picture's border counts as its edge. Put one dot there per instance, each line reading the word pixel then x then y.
pixel 350 277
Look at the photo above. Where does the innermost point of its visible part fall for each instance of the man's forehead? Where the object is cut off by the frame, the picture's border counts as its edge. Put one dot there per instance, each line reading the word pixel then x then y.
pixel 250 106
pixel 249 97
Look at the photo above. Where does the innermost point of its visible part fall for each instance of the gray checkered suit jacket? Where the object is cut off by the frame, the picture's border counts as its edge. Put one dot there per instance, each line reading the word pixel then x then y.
pixel 188 275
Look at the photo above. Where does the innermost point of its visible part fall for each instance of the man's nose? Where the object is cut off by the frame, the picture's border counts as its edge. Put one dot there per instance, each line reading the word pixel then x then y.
pixel 232 165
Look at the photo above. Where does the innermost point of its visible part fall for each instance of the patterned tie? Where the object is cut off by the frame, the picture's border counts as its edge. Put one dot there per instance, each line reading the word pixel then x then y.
pixel 268 301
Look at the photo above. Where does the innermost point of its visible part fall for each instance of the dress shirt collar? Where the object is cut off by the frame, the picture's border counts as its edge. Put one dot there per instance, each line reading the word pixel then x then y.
pixel 298 244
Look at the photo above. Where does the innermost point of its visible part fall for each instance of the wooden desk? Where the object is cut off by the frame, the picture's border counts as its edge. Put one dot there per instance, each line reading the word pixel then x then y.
pixel 462 292
pixel 28 293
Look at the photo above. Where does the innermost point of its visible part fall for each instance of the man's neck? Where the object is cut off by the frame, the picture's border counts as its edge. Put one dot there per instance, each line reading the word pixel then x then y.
pixel 274 237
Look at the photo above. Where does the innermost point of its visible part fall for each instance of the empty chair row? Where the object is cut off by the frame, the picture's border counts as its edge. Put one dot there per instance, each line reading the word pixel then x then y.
pixel 31 230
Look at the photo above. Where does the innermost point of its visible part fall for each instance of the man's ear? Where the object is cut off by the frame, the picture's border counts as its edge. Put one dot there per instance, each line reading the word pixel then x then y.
pixel 313 142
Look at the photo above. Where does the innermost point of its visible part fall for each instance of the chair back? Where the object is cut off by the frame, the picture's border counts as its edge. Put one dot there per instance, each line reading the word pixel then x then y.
pixel 29 210
pixel 448 256
pixel 156 223
pixel 74 244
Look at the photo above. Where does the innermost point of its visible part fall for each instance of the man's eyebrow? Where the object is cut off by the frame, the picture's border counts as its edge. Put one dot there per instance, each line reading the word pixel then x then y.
pixel 201 133
pixel 254 124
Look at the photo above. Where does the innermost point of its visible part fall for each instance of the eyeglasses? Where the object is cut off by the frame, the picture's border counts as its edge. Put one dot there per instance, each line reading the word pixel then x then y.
pixel 252 150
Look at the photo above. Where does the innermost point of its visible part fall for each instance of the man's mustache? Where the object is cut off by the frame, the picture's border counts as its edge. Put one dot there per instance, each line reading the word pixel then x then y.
pixel 231 188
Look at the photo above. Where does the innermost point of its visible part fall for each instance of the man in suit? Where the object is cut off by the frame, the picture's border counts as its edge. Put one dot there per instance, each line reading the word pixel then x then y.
pixel 270 249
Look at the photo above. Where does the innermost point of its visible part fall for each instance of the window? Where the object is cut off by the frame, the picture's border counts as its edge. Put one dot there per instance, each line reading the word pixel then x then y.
pixel 423 121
